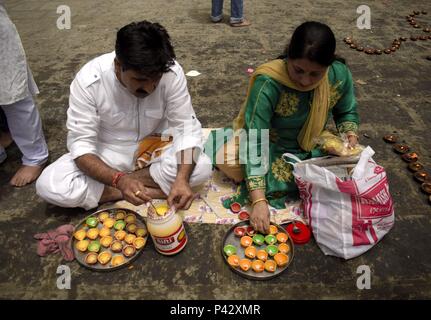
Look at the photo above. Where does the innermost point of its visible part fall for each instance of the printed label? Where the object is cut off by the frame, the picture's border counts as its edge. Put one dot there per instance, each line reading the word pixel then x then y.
pixel 173 243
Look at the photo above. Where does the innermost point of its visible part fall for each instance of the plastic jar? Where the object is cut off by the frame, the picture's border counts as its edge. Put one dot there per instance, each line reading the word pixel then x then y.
pixel 166 229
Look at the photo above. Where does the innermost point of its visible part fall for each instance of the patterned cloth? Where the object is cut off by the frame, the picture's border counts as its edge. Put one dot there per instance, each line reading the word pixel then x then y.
pixel 208 207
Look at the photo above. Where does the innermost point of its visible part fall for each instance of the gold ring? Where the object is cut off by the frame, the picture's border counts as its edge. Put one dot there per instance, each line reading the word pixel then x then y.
pixel 137 193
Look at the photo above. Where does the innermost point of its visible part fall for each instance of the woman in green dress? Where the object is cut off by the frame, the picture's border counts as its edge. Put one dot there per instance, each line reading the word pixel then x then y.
pixel 290 100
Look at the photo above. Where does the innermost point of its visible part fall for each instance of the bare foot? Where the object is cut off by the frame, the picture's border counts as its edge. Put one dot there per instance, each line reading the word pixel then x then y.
pixel 110 194
pixel 25 175
pixel 243 23
pixel 5 139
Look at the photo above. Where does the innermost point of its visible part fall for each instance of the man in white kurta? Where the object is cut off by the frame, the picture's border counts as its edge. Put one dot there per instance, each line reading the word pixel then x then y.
pixel 106 120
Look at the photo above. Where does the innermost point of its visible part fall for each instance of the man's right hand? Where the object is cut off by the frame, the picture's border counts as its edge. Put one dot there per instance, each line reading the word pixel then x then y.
pixel 133 190
pixel 259 217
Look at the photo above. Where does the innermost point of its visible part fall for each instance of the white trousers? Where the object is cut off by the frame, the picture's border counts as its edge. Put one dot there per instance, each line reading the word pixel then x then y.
pixel 25 128
pixel 63 184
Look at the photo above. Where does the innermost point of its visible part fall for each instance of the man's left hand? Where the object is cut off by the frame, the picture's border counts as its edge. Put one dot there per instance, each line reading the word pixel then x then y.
pixel 181 195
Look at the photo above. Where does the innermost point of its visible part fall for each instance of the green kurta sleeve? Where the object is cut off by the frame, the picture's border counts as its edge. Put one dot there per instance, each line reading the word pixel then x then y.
pixel 344 111
pixel 259 111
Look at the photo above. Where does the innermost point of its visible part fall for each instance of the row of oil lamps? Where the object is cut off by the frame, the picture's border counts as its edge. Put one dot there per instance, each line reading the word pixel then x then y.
pixel 420 174
pixel 396 43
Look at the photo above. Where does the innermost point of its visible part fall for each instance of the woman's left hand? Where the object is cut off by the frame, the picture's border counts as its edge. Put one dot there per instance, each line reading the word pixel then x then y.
pixel 353 140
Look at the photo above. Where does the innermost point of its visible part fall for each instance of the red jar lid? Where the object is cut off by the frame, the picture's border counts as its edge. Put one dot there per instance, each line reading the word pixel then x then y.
pixel 302 234
pixel 235 207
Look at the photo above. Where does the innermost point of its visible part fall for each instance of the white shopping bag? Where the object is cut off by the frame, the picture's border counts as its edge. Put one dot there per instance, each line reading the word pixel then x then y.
pixel 348 215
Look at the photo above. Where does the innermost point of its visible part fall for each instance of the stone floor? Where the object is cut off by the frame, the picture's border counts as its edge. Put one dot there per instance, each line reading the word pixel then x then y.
pixel 393 92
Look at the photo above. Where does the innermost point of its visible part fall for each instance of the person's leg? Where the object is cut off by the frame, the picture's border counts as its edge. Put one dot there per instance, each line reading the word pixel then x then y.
pixel 217 10
pixel 164 172
pixel 237 14
pixel 63 184
pixel 26 129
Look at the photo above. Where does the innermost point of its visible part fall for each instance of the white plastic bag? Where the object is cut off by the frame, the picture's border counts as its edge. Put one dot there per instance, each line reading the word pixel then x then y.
pixel 348 215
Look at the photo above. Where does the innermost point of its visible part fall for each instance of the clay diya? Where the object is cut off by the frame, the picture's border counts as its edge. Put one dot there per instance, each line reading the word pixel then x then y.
pixel 387 51
pixel 82 245
pixel 129 251
pixel 235 207
pixel 262 255
pixel 91 258
pixel 117 260
pixel 421 176
pixel 243 215
pixel 94 246
pixel 246 241
pixel 270 266
pixel 104 232
pixel 116 246
pixel 282 237
pixel 258 266
pixel 271 250
pixel 106 241
pixel 131 227
pixel 283 248
pixel 139 243
pixel 119 225
pixel 415 166
pixel 120 215
pixel 250 231
pixel 250 252
pixel 401 148
pixel 80 234
pixel 239 231
pixel 390 138
pixel 273 229
pixel 92 222
pixel 281 259
pixel 92 233
pixel 270 239
pixel 233 261
pixel 129 238
pixel 258 239
pixel 104 257
pixel 410 157
pixel 120 235
pixel 109 223
pixel 245 264
pixel 348 40
pixel 229 250
pixel 426 187
pixel 141 232
pixel 103 216
pixel 130 218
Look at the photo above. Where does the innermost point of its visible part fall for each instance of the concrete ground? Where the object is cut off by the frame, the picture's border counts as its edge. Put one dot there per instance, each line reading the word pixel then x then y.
pixel 393 95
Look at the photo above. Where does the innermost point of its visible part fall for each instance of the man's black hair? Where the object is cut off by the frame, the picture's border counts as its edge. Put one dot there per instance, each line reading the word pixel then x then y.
pixel 144 47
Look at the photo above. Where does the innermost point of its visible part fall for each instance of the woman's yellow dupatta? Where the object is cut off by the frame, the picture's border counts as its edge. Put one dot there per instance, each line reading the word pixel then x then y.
pixel 277 70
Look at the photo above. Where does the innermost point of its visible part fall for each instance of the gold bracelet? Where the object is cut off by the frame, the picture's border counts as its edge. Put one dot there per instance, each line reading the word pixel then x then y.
pixel 258 200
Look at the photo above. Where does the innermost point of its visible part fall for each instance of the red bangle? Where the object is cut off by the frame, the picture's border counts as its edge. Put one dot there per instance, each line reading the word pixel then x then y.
pixel 116 178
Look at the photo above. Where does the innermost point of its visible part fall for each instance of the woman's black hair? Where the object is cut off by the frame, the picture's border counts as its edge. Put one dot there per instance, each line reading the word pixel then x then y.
pixel 314 41
pixel 144 47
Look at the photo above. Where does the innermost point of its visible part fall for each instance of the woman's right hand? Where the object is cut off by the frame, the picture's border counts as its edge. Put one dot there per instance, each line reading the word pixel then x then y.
pixel 259 217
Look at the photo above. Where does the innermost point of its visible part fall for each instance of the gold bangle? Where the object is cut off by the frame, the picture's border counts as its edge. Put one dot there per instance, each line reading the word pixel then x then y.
pixel 258 200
